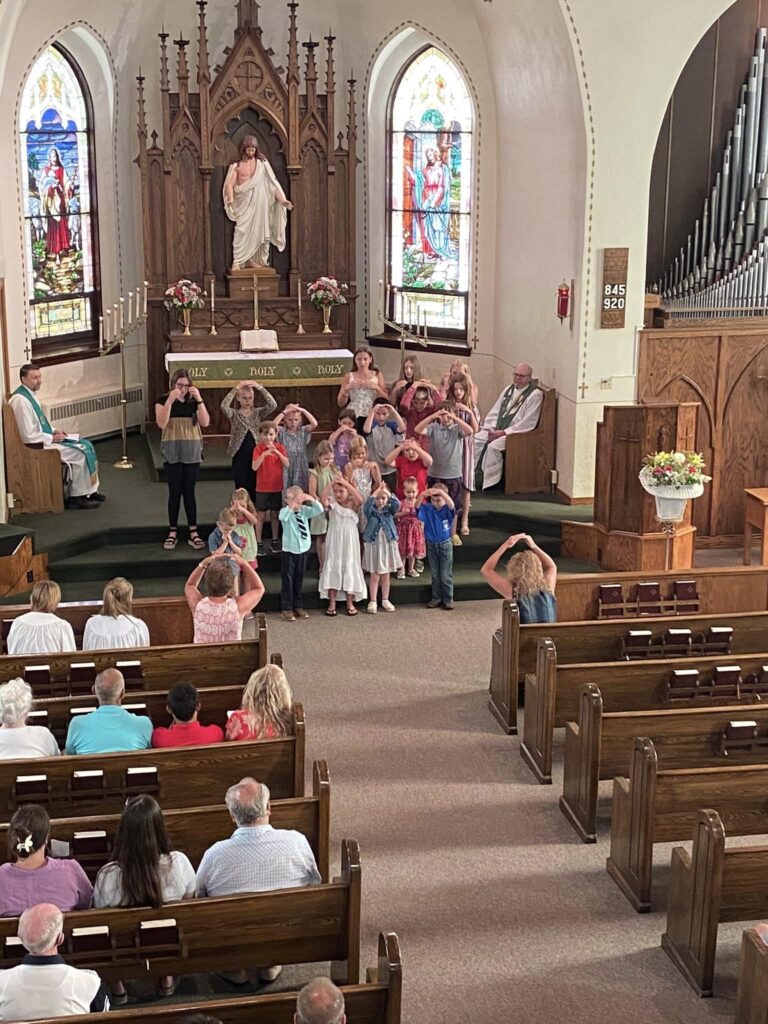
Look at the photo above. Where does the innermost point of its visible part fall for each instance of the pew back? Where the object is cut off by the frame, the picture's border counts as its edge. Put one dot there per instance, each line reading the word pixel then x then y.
pixel 752 996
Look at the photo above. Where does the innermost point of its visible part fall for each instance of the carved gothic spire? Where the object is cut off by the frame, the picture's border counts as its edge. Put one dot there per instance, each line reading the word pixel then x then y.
pixel 293 48
pixel 142 112
pixel 352 115
pixel 330 82
pixel 247 16
pixel 165 84
pixel 203 69
pixel 182 72
pixel 311 73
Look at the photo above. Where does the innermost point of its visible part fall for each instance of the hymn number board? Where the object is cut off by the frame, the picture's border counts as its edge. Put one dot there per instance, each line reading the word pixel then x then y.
pixel 614 291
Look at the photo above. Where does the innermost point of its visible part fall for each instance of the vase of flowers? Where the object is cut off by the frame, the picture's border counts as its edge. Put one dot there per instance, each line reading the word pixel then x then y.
pixel 672 478
pixel 186 296
pixel 324 294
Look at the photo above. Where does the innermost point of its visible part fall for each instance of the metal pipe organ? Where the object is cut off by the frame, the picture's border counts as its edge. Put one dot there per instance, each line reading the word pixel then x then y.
pixel 722 271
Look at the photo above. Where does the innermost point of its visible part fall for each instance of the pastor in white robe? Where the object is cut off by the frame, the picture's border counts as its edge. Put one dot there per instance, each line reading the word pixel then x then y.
pixel 31 432
pixel 260 219
pixel 490 456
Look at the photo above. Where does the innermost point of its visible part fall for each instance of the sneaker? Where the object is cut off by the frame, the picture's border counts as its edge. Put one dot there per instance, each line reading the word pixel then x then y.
pixel 433 604
pixel 371 609
pixel 449 606
pixel 288 616
pixel 412 572
pixel 269 974
pixel 401 574
pixel 418 565
pixel 456 540
pixel 300 613
pixel 277 547
pixel 387 606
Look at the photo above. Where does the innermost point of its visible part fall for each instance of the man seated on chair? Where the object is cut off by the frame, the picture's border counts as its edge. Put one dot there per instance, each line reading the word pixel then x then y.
pixel 34 428
pixel 516 412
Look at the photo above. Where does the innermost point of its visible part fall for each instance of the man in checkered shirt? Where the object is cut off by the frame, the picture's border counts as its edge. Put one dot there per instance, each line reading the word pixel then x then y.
pixel 256 857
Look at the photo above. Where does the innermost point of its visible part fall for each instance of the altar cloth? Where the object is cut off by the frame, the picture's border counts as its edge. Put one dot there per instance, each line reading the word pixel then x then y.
pixel 304 368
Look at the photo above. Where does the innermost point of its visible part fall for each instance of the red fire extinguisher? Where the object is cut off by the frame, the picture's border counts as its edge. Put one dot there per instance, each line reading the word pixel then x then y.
pixel 564 301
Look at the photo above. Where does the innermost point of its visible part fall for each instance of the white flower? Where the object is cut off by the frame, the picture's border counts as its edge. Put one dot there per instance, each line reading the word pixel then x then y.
pixel 679 458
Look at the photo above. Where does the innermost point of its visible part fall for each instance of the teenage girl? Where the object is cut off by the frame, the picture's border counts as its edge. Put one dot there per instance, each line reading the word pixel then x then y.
pixel 362 385
pixel 460 393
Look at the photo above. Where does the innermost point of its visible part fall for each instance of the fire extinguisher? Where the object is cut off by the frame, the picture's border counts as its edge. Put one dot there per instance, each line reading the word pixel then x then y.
pixel 564 301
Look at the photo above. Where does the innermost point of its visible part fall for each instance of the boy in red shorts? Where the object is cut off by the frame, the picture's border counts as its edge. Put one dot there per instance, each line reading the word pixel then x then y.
pixel 269 460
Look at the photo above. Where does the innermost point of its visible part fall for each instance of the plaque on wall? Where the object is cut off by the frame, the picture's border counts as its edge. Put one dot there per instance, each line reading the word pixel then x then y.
pixel 614 292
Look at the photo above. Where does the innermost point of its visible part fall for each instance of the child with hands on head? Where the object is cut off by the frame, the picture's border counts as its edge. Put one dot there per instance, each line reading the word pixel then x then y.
pixel 381 553
pixel 295 517
pixel 323 473
pixel 446 431
pixel 409 460
pixel 460 394
pixel 294 436
pixel 343 436
pixel 410 530
pixel 384 429
pixel 342 569
pixel 361 472
pixel 437 511
pixel 269 460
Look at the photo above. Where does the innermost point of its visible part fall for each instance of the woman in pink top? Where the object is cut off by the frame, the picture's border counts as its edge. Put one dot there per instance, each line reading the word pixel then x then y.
pixel 265 709
pixel 219 617
pixel 31 877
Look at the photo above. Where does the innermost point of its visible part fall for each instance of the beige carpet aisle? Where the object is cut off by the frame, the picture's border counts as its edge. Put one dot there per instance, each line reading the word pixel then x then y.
pixel 503 914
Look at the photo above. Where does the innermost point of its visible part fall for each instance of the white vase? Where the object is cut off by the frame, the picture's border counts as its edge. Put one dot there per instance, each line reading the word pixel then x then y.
pixel 670 501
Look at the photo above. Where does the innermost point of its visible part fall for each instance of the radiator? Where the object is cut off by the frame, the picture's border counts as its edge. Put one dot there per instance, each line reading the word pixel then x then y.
pixel 96 403
pixel 99 415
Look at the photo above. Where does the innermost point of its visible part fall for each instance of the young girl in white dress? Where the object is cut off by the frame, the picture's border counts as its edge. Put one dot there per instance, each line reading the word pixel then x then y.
pixel 381 552
pixel 342 569
pixel 363 474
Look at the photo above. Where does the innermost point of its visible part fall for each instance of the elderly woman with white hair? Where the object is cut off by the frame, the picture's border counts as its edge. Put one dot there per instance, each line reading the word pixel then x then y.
pixel 39 631
pixel 17 739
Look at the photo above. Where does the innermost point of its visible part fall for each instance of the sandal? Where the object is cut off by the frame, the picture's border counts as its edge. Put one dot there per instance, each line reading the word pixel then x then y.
pixel 170 542
pixel 351 611
pixel 464 531
pixel 196 541
pixel 331 611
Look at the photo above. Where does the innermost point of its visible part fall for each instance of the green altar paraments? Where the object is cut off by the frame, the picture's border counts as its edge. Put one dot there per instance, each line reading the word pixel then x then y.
pixel 279 370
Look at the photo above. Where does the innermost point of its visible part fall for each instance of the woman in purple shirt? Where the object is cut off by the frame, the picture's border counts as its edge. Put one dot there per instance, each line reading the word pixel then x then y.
pixel 31 877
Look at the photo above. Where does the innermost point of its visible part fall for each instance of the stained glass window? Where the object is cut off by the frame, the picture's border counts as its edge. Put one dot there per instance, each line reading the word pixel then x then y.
pixel 55 135
pixel 429 233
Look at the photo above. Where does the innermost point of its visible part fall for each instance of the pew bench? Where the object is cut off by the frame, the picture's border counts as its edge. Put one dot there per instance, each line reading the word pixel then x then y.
pixel 145 668
pixel 552 693
pixel 285 926
pixel 752 994
pixel 599 747
pixel 377 1001
pixel 709 885
pixel 193 829
pixel 70 786
pixel 514 646
pixel 661 806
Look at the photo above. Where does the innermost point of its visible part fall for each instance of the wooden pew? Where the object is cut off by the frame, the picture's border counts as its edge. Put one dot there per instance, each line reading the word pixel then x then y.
pixel 168 619
pixel 56 712
pixel 653 806
pixel 161 667
pixel 513 647
pixel 707 886
pixel 286 926
pixel 377 1001
pixel 176 777
pixel 194 829
pixel 599 746
pixel 752 995
pixel 552 693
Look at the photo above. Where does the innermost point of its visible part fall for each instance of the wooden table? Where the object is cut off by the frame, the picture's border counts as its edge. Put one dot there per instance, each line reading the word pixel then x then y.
pixel 755 518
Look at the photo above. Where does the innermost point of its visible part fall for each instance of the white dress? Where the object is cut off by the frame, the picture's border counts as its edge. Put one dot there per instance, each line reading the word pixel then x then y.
pixel 342 569
pixel 103 632
pixel 40 633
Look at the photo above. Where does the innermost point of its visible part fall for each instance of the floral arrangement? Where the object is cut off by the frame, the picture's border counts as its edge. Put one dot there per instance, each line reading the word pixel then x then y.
pixel 673 469
pixel 326 292
pixel 185 294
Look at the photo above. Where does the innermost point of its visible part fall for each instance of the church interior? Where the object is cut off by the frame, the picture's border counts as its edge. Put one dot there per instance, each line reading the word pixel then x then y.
pixel 319 311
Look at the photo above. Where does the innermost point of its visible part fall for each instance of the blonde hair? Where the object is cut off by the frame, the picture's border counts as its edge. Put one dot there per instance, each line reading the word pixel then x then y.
pixel 242 495
pixel 525 573
pixel 117 598
pixel 226 518
pixel 323 448
pixel 358 445
pixel 267 700
pixel 45 596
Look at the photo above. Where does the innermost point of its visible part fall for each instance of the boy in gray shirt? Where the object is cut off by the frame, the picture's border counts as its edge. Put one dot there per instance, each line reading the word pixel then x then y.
pixel 446 432
pixel 384 430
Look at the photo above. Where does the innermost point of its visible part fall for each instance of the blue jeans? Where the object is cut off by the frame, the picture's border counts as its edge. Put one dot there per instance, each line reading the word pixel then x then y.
pixel 440 558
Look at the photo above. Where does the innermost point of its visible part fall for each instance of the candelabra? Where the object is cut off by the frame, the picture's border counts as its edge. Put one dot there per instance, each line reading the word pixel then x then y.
pixel 405 333
pixel 112 336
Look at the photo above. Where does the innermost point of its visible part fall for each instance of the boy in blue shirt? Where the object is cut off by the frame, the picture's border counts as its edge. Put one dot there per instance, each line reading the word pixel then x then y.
pixel 437 512
pixel 295 516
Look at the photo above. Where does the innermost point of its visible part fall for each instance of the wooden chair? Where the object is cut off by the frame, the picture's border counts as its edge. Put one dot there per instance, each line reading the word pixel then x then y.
pixel 33 474
pixel 377 1001
pixel 285 926
pixel 707 886
pixel 529 458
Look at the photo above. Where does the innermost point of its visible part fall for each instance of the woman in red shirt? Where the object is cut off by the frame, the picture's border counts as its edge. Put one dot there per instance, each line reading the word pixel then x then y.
pixel 265 709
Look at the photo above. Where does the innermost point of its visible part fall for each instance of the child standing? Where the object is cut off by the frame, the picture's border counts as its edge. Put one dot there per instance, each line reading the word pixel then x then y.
pixel 245 521
pixel 319 478
pixel 362 473
pixel 224 541
pixel 410 460
pixel 460 393
pixel 342 569
pixel 446 431
pixel 294 437
pixel 381 555
pixel 437 512
pixel 295 517
pixel 269 461
pixel 342 437
pixel 384 429
pixel 410 530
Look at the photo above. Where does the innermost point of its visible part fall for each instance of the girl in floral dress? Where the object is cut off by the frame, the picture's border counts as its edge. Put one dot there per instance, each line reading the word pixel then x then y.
pixel 410 530
pixel 294 436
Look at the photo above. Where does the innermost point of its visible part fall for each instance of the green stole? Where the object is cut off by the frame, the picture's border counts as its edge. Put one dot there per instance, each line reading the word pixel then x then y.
pixel 82 445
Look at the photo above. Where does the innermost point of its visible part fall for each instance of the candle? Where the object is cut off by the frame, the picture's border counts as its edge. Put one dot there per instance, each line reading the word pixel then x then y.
pixel 130 311
pixel 402 310
pixel 109 328
pixel 213 294
pixel 114 321
pixel 146 285
pixel 381 293
pixel 255 303
pixel 101 332
pixel 138 304
pixel 122 305
pixel 386 307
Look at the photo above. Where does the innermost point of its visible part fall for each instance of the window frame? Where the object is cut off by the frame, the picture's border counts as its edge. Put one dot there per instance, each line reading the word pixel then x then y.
pixel 66 348
pixel 448 340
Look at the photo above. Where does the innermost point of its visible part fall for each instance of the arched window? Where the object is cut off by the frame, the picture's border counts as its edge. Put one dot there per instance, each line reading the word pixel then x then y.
pixel 56 136
pixel 430 196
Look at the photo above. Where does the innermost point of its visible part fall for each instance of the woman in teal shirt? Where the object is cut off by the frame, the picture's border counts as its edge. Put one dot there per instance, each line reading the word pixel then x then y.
pixel 530 579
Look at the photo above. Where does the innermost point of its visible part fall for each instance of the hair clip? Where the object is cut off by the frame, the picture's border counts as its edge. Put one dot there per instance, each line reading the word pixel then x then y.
pixel 26 846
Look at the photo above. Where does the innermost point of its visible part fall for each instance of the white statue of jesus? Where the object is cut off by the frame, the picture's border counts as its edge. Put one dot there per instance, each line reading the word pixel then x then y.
pixel 255 201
